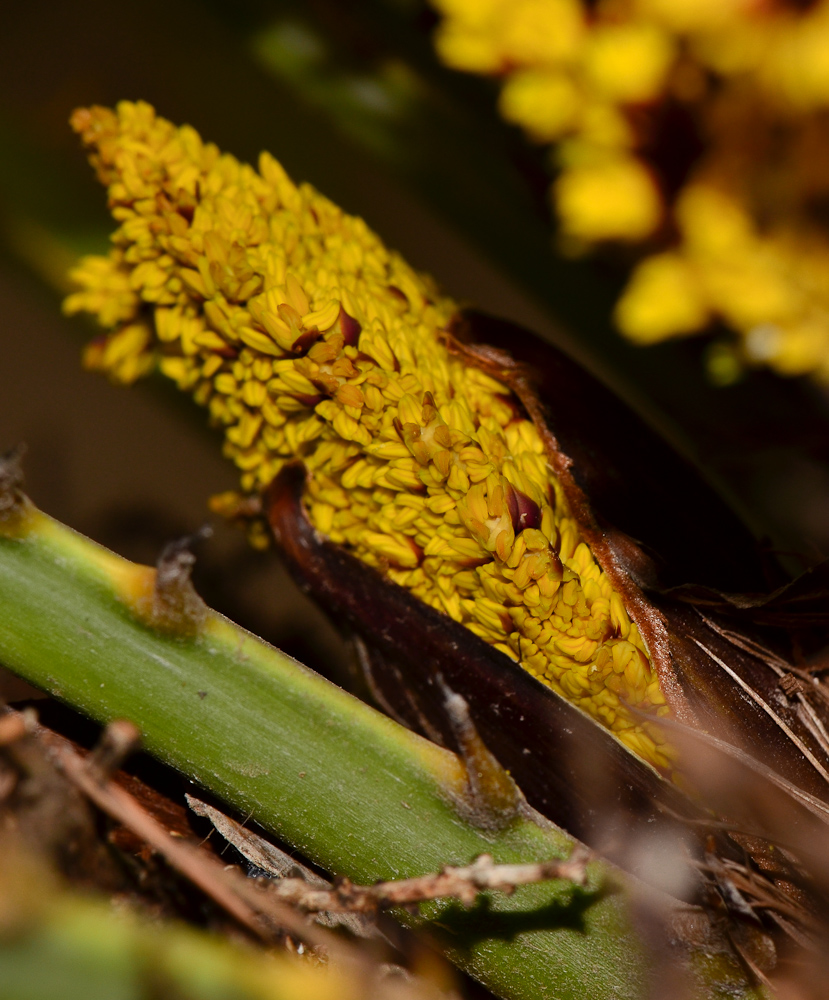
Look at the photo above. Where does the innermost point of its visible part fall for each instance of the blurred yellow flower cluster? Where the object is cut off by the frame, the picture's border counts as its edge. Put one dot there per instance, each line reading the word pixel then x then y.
pixel 698 126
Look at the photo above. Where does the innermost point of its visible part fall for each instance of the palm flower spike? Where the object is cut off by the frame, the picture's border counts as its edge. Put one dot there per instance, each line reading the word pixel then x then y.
pixel 530 542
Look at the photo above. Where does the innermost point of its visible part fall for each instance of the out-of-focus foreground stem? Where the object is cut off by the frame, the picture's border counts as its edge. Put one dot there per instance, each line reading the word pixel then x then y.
pixel 351 789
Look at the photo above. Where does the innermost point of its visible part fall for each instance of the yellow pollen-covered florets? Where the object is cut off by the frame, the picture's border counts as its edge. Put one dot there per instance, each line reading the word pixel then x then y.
pixel 306 338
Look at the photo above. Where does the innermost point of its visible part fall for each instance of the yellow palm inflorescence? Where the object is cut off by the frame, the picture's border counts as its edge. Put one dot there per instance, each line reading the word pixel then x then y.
pixel 306 338
pixel 700 125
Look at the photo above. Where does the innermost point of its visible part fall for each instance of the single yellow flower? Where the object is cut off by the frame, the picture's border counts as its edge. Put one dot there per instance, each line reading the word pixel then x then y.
pixel 615 199
pixel 663 299
pixel 545 102
pixel 628 63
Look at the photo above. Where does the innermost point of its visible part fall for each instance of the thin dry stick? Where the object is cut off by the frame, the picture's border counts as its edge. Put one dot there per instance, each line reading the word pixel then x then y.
pixel 302 888
pixel 462 883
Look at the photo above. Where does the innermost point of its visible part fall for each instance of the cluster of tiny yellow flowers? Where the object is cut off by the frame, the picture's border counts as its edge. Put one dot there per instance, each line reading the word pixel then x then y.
pixel 306 338
pixel 740 217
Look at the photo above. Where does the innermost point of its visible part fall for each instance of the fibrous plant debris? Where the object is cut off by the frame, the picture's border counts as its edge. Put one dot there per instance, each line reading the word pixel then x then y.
pixel 49 833
pixel 272 911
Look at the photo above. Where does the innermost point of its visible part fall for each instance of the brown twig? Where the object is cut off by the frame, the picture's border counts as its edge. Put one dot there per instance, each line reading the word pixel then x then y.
pixel 304 889
pixel 462 883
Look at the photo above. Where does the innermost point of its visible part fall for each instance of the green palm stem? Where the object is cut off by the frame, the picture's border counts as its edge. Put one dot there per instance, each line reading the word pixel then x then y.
pixel 349 788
